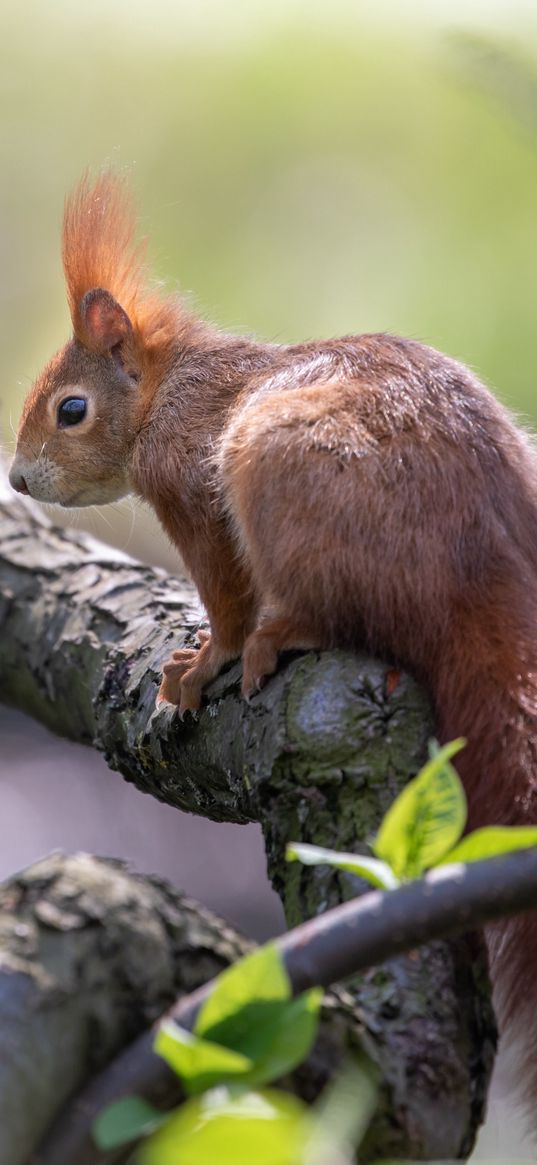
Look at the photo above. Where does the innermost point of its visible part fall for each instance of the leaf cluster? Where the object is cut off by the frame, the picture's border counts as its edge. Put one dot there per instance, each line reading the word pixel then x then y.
pixel 249 1032
pixel 422 829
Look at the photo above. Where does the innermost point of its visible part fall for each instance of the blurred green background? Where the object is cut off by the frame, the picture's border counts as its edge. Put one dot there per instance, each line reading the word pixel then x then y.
pixel 301 169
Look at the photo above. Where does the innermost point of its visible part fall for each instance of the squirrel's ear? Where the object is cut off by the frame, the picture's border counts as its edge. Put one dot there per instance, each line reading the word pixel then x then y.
pixel 105 322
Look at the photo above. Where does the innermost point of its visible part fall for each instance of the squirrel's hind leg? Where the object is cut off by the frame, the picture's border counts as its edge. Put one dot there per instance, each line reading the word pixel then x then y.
pixel 260 653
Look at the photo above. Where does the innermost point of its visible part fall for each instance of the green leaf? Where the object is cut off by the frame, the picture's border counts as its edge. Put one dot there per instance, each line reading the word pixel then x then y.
pixel 249 1030
pixel 491 841
pixel 427 818
pixel 251 1011
pixel 126 1120
pixel 378 873
pixel 268 1128
pixel 259 976
pixel 200 1063
pixel 281 1036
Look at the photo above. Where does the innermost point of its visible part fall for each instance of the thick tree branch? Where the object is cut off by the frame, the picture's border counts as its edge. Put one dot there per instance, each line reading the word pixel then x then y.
pixel 89 955
pixel 317 756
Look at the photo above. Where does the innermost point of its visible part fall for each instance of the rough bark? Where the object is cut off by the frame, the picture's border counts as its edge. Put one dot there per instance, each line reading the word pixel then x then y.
pixel 318 755
pixel 89 955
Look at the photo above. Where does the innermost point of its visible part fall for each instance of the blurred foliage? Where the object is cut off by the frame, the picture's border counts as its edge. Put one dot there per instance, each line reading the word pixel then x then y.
pixel 302 174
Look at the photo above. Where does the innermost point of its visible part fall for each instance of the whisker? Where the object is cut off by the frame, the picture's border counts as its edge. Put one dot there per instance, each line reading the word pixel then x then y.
pixel 97 511
pixel 133 520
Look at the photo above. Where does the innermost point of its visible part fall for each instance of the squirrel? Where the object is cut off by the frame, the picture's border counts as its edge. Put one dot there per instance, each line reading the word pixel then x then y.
pixel 366 492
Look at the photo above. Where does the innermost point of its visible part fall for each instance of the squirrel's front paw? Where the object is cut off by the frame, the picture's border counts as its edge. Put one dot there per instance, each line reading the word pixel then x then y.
pixel 187 671
pixel 173 672
pixel 177 667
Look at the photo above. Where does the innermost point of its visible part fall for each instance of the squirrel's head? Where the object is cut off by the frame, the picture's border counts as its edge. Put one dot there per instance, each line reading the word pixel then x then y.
pixel 81 417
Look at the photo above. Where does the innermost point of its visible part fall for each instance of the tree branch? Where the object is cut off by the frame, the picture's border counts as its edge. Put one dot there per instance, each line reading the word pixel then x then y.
pixel 356 936
pixel 317 756
pixel 89 955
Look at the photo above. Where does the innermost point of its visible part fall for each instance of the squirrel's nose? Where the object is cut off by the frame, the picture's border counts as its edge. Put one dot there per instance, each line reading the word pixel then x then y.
pixel 18 481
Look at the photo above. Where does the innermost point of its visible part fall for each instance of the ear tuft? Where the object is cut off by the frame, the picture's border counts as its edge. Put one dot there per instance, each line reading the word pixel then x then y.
pixel 105 322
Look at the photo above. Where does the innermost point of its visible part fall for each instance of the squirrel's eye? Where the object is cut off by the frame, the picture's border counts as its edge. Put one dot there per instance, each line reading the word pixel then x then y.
pixel 71 411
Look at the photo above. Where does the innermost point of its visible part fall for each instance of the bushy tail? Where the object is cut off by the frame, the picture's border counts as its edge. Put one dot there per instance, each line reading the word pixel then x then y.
pixel 486 690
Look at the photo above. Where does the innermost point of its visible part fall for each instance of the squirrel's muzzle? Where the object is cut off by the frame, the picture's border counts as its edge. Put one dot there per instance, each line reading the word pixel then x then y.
pixel 17 481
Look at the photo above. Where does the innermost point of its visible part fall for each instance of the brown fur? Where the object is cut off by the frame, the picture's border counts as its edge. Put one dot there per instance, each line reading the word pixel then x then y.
pixel 364 492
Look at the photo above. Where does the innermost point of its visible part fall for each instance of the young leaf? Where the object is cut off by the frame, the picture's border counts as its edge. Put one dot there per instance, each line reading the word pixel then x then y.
pixel 268 1128
pixel 281 1036
pixel 491 841
pixel 378 873
pixel 126 1120
pixel 427 818
pixel 200 1063
pixel 249 1030
pixel 260 976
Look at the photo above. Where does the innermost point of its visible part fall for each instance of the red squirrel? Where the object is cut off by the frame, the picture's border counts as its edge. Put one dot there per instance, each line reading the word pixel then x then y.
pixel 365 492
